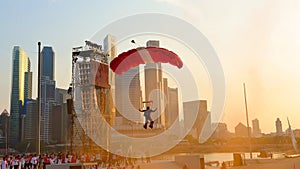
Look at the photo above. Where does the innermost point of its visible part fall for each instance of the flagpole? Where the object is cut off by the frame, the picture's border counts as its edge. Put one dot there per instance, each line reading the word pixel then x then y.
pixel 38 145
pixel 248 129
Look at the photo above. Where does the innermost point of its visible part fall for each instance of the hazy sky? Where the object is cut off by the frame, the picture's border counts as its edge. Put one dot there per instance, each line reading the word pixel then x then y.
pixel 257 41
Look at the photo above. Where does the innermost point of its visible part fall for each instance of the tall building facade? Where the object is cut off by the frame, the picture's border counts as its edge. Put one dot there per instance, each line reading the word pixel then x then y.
pixel 47 101
pixel 278 127
pixel 21 88
pixel 47 91
pixel 256 129
pixel 167 113
pixel 31 120
pixel 60 119
pixel 173 107
pixel 128 96
pixel 154 86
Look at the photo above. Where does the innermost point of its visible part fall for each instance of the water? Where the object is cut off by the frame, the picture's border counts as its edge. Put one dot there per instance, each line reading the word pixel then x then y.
pixel 226 156
pixel 229 156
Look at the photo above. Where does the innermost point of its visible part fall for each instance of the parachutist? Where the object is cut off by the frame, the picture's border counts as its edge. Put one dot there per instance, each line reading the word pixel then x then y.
pixel 148 118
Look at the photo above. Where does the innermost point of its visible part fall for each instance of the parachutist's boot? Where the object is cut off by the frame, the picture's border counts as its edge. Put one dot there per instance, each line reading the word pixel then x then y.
pixel 145 125
pixel 151 124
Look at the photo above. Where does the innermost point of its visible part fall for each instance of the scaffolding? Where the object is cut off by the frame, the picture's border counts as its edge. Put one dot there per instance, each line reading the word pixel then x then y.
pixel 93 93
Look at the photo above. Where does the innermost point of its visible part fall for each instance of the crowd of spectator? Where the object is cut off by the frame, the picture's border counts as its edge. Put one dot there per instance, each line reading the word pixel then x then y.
pixel 94 161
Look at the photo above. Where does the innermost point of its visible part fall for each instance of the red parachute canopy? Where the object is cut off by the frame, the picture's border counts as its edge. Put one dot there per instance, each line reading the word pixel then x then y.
pixel 142 55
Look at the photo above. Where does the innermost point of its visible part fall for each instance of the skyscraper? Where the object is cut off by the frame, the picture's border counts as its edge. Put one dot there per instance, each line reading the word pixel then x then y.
pixel 128 101
pixel 256 129
pixel 110 47
pixel 154 84
pixel 278 127
pixel 173 108
pixel 48 62
pixel 47 91
pixel 21 86
pixel 48 100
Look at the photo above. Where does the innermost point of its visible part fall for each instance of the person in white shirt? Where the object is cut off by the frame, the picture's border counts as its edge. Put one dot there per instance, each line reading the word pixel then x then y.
pixel 34 161
pixel 4 164
pixel 16 162
pixel 22 161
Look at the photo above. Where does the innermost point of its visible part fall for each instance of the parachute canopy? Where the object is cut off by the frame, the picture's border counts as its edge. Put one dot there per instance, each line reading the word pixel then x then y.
pixel 143 55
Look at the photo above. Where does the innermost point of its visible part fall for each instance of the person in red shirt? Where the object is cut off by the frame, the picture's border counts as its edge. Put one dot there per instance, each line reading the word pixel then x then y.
pixel 46 161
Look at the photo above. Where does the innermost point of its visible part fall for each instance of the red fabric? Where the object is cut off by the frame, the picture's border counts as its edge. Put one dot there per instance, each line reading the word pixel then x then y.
pixel 46 160
pixel 132 58
pixel 73 159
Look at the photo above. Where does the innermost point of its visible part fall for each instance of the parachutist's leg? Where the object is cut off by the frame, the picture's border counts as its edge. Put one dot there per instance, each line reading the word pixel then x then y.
pixel 145 125
pixel 151 122
pixel 146 122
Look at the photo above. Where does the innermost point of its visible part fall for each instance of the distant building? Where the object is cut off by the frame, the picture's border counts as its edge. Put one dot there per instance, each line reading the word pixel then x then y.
pixel 110 47
pixel 61 131
pixel 128 99
pixel 220 131
pixel 201 118
pixel 256 129
pixel 172 107
pixel 60 119
pixel 30 121
pixel 21 88
pixel 278 127
pixel 241 130
pixel 4 118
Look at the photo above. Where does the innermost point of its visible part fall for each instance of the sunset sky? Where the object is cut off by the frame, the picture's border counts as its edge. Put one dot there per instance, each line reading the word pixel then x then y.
pixel 257 41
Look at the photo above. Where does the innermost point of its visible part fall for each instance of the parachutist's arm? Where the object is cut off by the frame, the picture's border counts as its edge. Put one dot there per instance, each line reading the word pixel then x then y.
pixel 141 110
pixel 154 109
